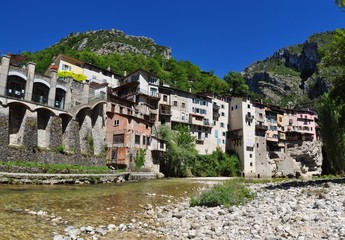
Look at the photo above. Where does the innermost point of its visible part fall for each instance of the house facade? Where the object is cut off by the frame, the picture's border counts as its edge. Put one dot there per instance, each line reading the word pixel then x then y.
pixel 92 112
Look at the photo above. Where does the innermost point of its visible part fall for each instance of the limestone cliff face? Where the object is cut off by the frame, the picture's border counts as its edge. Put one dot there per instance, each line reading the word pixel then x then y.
pixel 300 160
pixel 291 73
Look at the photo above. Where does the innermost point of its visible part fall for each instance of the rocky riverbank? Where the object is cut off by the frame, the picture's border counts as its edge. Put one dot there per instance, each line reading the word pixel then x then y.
pixel 44 178
pixel 294 210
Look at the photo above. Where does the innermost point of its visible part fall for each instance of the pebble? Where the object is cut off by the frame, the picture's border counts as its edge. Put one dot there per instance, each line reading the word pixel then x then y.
pixel 292 211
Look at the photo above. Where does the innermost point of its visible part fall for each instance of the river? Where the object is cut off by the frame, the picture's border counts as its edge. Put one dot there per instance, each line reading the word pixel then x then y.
pixel 83 205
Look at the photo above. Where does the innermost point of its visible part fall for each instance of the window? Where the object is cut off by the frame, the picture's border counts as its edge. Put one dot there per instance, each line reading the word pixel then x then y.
pixel 40 93
pixel 153 80
pixel 257 145
pixel 223 114
pixel 248 105
pixel 206 135
pixel 137 139
pixel 222 106
pixel 175 103
pixel 251 164
pixel 161 144
pixel 165 98
pixel 144 140
pixel 236 107
pixel 224 134
pixel 250 155
pixel 117 122
pixel 60 98
pixel 66 67
pixel 118 138
pixel 232 108
pixel 183 105
pixel 135 77
pixel 154 92
pixel 221 125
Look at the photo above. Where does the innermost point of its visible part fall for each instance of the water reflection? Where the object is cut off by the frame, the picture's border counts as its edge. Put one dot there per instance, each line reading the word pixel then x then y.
pixel 82 205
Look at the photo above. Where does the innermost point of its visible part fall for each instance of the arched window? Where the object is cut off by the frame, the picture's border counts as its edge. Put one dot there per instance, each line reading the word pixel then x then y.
pixel 15 87
pixel 40 93
pixel 60 98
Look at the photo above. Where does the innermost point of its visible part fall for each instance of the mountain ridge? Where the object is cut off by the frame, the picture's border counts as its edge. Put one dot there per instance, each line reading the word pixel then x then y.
pixel 292 75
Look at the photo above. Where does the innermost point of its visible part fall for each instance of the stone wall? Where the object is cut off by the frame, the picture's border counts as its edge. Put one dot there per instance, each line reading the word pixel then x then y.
pixel 40 136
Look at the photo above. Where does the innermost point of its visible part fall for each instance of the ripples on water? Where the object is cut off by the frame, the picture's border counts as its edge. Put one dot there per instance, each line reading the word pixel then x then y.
pixel 82 205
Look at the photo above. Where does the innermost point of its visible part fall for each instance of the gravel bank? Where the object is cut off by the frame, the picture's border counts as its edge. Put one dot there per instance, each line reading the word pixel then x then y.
pixel 298 210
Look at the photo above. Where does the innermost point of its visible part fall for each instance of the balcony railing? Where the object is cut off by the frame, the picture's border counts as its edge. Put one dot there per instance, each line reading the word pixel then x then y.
pixel 150 93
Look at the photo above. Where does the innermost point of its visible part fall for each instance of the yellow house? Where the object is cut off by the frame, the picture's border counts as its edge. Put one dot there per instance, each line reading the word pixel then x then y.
pixel 69 67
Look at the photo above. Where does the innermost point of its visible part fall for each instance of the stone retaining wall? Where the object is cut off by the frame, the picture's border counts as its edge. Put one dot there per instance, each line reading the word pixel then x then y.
pixel 25 178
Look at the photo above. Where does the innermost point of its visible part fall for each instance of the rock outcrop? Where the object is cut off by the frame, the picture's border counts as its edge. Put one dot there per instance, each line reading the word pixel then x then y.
pixel 300 160
pixel 291 73
pixel 105 42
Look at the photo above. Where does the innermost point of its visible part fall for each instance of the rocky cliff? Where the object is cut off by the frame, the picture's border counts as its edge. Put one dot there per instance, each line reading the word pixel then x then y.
pixel 104 42
pixel 291 76
pixel 303 159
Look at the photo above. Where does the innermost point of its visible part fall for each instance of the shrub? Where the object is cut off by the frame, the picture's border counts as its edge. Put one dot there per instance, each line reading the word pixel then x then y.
pixel 61 148
pixel 229 193
pixel 140 159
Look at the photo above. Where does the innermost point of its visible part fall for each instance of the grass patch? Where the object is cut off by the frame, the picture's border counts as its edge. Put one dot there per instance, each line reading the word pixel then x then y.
pixel 232 192
pixel 58 168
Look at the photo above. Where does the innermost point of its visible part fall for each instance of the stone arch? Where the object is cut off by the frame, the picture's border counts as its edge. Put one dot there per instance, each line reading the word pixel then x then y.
pixel 17 122
pixel 70 133
pixel 37 80
pixel 98 125
pixel 45 119
pixel 83 118
pixel 18 74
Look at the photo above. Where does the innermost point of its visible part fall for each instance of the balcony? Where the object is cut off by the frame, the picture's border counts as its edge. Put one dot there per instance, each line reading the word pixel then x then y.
pixel 165 112
pixel 235 134
pixel 216 106
pixel 261 126
pixel 201 121
pixel 216 115
pixel 206 122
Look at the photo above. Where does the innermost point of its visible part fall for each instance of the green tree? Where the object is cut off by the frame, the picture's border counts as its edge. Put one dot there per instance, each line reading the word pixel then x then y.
pixel 180 153
pixel 331 114
pixel 237 84
pixel 335 52
pixel 332 105
pixel 340 3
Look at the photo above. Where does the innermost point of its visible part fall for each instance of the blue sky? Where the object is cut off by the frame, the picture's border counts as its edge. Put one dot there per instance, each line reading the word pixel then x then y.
pixel 223 36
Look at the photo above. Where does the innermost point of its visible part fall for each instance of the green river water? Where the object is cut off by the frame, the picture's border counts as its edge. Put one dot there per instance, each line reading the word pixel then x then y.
pixel 83 205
